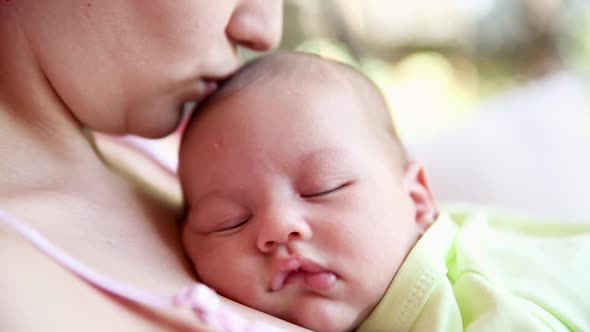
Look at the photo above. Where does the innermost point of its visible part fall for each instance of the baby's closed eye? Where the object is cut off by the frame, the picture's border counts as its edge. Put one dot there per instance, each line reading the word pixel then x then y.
pixel 231 225
pixel 216 216
pixel 327 188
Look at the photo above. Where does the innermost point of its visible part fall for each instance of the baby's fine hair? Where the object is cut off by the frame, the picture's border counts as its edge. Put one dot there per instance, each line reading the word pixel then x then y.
pixel 299 66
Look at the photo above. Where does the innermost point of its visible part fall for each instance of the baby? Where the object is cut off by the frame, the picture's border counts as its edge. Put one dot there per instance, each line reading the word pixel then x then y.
pixel 302 203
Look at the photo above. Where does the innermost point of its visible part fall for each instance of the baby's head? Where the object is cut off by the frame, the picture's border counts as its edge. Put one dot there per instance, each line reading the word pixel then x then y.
pixel 301 202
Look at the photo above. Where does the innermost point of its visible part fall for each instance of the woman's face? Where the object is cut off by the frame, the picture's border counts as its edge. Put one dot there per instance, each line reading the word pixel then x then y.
pixel 129 66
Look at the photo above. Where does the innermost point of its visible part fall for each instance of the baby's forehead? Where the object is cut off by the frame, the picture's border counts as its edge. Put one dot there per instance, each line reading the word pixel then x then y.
pixel 299 83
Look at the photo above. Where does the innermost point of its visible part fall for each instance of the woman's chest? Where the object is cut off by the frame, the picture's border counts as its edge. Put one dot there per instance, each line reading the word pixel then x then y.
pixel 121 238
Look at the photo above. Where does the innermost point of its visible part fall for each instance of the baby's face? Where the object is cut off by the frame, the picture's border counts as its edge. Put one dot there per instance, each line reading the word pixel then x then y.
pixel 294 208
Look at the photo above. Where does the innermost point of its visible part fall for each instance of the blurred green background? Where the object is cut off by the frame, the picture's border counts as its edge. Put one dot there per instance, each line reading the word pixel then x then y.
pixel 492 96
pixel 438 60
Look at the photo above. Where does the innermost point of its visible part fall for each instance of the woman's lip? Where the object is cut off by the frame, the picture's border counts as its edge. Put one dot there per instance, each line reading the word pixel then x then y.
pixel 205 89
pixel 199 91
pixel 210 87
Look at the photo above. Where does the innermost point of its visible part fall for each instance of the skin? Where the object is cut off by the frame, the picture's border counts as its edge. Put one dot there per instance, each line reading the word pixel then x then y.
pixel 324 188
pixel 140 62
pixel 122 67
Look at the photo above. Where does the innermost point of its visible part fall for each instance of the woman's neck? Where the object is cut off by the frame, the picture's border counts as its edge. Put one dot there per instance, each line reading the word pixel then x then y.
pixel 41 144
pixel 42 154
pixel 53 179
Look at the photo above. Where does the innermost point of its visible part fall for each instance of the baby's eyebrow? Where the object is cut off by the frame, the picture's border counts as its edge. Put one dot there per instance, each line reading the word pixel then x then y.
pixel 327 156
pixel 216 194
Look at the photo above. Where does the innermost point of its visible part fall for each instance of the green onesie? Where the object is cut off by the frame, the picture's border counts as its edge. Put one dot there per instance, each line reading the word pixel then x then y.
pixel 488 271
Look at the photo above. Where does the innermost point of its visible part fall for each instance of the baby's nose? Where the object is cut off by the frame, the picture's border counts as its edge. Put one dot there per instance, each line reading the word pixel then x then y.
pixel 282 229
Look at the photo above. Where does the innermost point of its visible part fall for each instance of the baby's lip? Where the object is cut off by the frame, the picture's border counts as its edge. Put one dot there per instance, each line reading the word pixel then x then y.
pixel 282 270
pixel 314 275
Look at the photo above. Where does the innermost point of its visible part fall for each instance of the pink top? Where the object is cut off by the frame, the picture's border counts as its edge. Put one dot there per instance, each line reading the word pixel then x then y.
pixel 203 301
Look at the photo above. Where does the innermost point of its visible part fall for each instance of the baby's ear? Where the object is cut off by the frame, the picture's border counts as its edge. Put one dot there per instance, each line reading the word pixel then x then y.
pixel 418 187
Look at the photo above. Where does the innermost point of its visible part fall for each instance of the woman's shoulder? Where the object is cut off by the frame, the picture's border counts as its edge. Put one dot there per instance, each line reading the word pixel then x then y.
pixel 23 296
pixel 115 231
pixel 34 287
pixel 40 295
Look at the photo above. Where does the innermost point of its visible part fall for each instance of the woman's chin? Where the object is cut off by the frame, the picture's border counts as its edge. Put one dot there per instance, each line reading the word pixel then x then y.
pixel 155 129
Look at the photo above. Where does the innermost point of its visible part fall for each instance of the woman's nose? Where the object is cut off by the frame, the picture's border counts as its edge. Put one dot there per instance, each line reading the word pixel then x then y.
pixel 256 24
pixel 281 229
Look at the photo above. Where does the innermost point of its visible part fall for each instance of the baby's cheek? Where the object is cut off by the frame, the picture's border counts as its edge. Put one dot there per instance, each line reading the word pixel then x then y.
pixel 189 245
pixel 194 239
pixel 231 278
pixel 226 265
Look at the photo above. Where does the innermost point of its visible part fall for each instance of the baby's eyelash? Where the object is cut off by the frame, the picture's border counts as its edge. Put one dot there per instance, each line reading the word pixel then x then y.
pixel 239 224
pixel 234 226
pixel 326 192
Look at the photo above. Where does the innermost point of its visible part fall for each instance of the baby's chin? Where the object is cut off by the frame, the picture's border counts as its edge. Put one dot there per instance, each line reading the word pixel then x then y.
pixel 323 315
